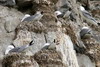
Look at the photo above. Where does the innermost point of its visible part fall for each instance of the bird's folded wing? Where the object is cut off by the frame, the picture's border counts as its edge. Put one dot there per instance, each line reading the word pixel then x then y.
pixel 88 15
pixel 19 49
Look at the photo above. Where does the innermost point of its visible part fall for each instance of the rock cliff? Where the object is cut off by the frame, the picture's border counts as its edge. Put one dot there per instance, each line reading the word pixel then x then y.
pixel 63 33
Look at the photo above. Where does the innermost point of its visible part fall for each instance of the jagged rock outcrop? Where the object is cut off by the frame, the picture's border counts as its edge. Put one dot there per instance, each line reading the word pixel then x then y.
pixel 83 59
pixel 9 3
pixel 9 19
pixel 65 31
pixel 19 60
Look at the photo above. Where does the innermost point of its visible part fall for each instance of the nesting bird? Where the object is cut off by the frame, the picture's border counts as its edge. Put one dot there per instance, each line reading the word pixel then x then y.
pixel 11 48
pixel 51 45
pixel 85 33
pixel 65 14
pixel 87 16
pixel 35 17
pixel 58 13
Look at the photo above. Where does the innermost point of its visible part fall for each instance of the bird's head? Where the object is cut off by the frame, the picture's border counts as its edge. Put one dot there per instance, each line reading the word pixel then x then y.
pixel 39 12
pixel 46 44
pixel 57 13
pixel 82 8
pixel 27 15
pixel 85 28
pixel 10 47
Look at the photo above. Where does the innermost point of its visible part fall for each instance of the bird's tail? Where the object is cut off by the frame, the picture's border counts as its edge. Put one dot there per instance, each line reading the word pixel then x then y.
pixel 98 23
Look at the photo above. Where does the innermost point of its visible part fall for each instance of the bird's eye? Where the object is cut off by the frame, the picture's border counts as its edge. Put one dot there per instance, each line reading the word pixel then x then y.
pixel 42 12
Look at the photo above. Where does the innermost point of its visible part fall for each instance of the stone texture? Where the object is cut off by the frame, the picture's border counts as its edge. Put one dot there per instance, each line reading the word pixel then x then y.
pixel 10 18
pixel 64 31
pixel 8 2
pixel 50 58
pixel 83 59
pixel 19 60
pixel 8 23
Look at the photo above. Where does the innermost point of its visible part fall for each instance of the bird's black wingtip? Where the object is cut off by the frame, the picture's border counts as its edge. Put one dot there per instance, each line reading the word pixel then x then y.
pixel 12 44
pixel 98 23
pixel 31 43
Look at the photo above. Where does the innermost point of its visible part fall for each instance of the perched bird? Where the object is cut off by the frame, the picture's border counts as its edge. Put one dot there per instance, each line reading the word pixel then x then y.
pixel 35 17
pixel 63 11
pixel 87 16
pixel 67 14
pixel 85 33
pixel 51 45
pixel 58 13
pixel 12 48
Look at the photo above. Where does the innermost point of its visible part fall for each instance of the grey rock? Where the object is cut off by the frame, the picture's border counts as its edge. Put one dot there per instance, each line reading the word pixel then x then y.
pixel 24 4
pixel 19 60
pixel 24 37
pixel 84 61
pixel 10 17
pixel 8 2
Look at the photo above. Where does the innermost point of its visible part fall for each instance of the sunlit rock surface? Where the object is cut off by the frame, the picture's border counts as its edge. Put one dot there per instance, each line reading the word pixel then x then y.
pixel 71 50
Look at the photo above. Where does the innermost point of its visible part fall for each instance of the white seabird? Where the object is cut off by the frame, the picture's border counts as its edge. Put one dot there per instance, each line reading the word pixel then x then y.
pixel 49 45
pixel 12 48
pixel 85 32
pixel 57 13
pixel 35 17
pixel 64 14
pixel 87 16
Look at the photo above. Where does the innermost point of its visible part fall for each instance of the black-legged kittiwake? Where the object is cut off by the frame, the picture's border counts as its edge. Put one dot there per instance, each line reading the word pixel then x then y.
pixel 87 16
pixel 85 33
pixel 36 17
pixel 58 13
pixel 12 48
pixel 51 45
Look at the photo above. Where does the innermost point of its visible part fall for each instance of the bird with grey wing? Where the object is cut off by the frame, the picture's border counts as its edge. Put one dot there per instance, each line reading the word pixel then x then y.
pixel 87 16
pixel 85 33
pixel 63 11
pixel 36 17
pixel 51 45
pixel 66 14
pixel 11 48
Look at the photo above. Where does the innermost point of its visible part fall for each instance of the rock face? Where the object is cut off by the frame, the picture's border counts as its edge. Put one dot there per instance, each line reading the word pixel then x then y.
pixel 9 19
pixel 19 60
pixel 49 58
pixel 70 50
pixel 8 2
pixel 83 59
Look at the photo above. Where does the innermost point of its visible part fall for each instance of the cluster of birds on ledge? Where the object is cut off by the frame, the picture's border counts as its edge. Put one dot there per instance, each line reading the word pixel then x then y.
pixel 84 33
